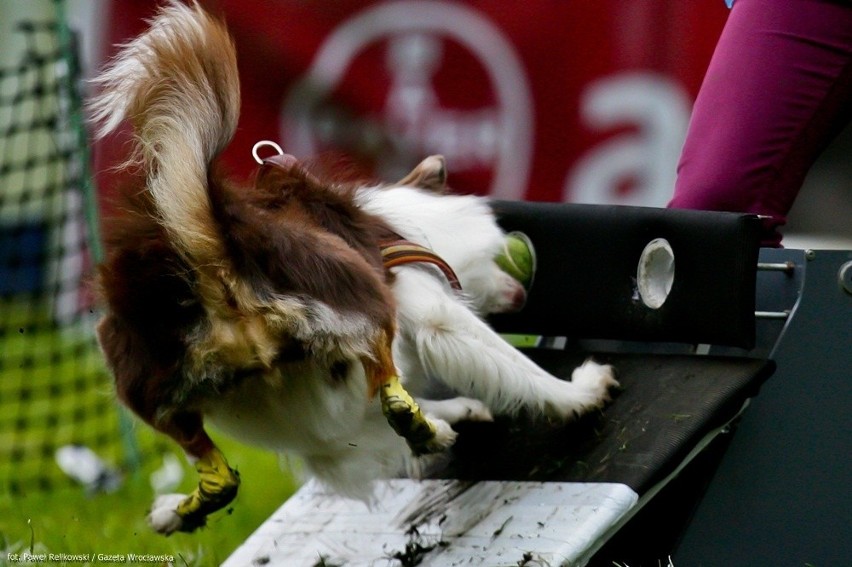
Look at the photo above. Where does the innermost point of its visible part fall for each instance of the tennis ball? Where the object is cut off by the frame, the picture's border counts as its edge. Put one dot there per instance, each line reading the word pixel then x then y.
pixel 518 258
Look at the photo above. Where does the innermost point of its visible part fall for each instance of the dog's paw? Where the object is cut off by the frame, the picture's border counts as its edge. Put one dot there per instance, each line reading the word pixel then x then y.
pixel 597 379
pixel 404 415
pixel 469 409
pixel 457 409
pixel 444 437
pixel 163 517
pixel 588 389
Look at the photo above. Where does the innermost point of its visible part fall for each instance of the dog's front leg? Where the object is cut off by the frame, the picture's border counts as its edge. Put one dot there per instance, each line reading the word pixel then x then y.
pixel 455 346
pixel 422 434
pixel 217 482
pixel 454 410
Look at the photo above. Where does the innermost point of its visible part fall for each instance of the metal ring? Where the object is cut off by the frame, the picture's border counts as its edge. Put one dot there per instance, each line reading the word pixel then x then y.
pixel 262 143
pixel 844 277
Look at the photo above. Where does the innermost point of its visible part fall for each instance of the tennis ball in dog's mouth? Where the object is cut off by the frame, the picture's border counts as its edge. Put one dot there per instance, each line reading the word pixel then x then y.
pixel 518 258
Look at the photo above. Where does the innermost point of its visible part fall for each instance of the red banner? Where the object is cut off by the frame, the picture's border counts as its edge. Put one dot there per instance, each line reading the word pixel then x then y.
pixel 549 100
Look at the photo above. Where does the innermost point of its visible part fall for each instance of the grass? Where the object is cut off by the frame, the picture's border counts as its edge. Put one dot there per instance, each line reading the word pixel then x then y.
pixel 66 375
pixel 70 522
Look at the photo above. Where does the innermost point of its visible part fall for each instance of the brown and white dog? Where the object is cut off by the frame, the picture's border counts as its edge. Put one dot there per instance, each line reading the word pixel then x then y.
pixel 268 311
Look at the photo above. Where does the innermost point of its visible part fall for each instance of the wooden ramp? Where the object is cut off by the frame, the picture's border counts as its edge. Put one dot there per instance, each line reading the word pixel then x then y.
pixel 622 485
pixel 516 492
pixel 440 522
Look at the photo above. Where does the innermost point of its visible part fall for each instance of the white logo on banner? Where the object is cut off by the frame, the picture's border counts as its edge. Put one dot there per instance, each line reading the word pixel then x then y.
pixel 658 109
pixel 412 119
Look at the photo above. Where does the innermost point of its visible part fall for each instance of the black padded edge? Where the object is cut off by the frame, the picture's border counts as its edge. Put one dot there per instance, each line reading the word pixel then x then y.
pixel 586 281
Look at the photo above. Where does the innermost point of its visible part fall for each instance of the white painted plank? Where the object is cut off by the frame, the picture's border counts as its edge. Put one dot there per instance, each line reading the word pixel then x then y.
pixel 443 523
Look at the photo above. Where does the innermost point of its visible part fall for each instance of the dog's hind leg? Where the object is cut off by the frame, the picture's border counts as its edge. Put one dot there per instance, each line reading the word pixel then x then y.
pixel 143 384
pixel 217 482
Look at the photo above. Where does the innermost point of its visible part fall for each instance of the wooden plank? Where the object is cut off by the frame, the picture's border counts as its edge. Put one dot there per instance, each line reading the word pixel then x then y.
pixel 439 522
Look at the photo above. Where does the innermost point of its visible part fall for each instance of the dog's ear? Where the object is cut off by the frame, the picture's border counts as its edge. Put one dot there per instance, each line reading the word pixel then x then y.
pixel 430 174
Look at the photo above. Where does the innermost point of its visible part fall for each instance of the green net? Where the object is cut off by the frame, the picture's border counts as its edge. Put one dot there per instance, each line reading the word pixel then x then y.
pixel 54 390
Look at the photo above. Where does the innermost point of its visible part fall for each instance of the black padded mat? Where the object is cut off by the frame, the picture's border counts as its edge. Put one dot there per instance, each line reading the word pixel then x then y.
pixel 667 404
pixel 585 285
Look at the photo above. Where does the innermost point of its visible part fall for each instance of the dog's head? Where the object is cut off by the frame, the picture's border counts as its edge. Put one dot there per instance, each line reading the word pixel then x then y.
pixel 491 290
pixel 464 232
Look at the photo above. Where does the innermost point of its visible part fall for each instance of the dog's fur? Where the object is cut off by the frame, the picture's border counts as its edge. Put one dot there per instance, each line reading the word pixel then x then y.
pixel 266 309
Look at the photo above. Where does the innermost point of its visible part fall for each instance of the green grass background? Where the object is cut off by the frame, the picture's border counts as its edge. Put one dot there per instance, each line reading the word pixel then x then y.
pixel 69 394
pixel 70 521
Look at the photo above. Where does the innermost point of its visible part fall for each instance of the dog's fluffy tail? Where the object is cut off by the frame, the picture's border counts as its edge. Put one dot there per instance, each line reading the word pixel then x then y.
pixel 178 85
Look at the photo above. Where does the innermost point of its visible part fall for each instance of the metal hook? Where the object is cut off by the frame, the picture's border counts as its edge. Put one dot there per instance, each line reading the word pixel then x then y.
pixel 261 144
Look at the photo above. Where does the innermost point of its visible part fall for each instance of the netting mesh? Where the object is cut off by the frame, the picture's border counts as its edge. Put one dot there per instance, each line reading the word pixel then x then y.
pixel 54 390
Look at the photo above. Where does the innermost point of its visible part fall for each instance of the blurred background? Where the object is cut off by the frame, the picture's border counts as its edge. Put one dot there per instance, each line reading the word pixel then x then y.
pixel 582 101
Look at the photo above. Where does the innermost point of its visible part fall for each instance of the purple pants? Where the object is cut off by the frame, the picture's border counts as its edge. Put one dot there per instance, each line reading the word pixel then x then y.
pixel 777 91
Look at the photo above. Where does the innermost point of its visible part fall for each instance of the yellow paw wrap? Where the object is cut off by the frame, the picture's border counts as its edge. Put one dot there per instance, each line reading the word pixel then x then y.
pixel 404 415
pixel 217 487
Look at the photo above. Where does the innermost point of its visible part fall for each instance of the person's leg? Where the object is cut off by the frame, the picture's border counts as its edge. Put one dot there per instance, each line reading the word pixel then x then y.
pixel 778 89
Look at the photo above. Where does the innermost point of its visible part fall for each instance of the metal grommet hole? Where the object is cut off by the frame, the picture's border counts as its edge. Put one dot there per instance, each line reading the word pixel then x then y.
pixel 844 276
pixel 655 273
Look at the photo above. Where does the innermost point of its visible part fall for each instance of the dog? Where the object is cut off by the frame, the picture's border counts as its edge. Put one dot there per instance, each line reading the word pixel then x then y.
pixel 270 311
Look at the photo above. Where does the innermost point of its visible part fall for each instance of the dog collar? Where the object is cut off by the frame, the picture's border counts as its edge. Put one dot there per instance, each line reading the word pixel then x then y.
pixel 394 252
pixel 401 251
